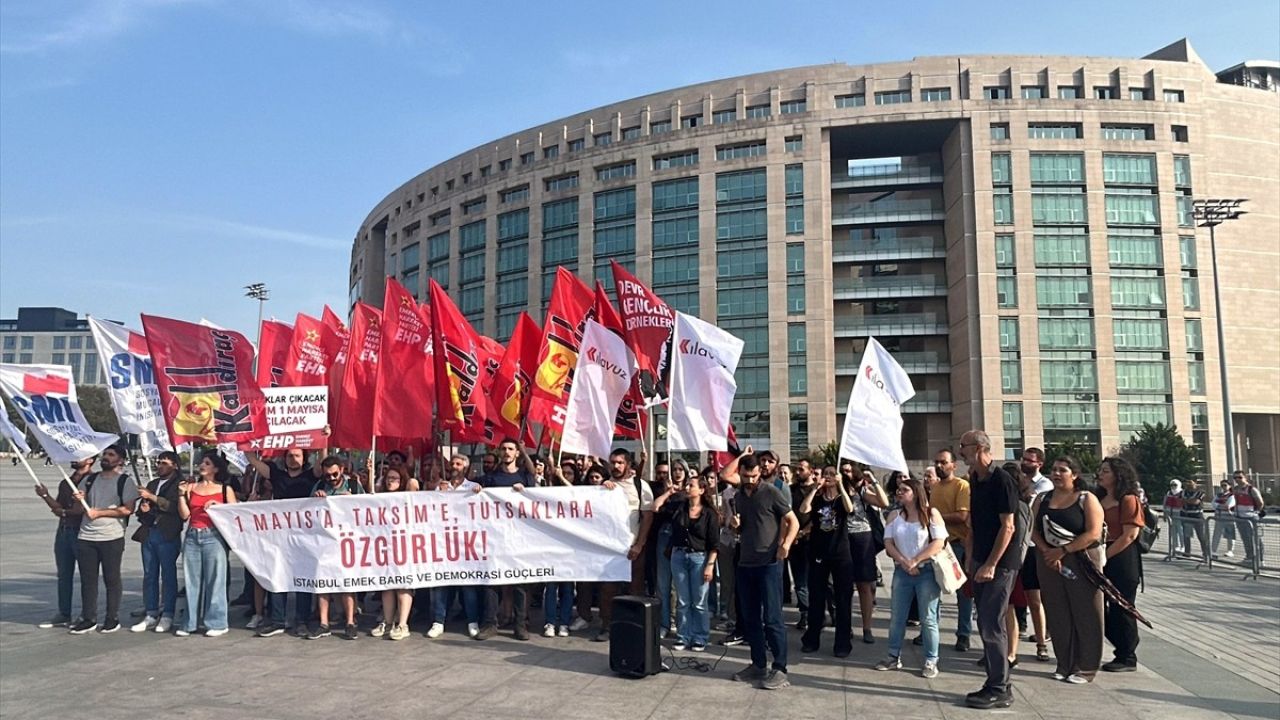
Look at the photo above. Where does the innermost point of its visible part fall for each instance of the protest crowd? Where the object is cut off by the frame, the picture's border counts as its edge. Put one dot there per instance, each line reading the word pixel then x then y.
pixel 731 543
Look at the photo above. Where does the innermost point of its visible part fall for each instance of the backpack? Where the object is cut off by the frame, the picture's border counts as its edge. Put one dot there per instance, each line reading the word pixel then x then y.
pixel 88 485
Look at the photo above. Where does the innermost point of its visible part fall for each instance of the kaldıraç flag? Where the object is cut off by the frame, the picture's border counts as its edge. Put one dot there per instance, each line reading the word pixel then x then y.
pixel 353 426
pixel 873 419
pixel 205 378
pixel 273 354
pixel 458 377
pixel 406 378
pixel 571 300
pixel 45 397
pixel 10 432
pixel 630 421
pixel 311 351
pixel 510 389
pixel 490 356
pixel 703 361
pixel 131 381
pixel 605 369
pixel 649 321
pixel 338 363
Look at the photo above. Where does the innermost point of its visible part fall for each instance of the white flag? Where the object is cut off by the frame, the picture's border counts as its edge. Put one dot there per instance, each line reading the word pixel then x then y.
pixel 131 383
pixel 704 359
pixel 12 433
pixel 873 420
pixel 600 382
pixel 45 396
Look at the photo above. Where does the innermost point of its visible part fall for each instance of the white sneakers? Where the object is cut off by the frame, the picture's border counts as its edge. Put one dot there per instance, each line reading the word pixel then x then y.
pixel 473 629
pixel 165 624
pixel 145 624
pixel 437 629
pixel 563 631
pixel 548 630
pixel 215 633
pixel 379 630
pixel 579 624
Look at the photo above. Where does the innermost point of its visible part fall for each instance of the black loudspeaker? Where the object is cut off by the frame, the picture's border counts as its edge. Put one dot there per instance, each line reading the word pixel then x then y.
pixel 633 637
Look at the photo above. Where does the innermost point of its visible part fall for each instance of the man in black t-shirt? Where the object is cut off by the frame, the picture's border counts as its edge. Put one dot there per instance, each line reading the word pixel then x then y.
pixel 994 559
pixel 515 470
pixel 291 482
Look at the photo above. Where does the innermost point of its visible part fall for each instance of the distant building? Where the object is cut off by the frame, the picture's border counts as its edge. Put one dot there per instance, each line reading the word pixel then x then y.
pixel 51 335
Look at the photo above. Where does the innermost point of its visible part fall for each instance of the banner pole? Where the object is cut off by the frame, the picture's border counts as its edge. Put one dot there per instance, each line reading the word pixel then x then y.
pixel 23 457
pixel 67 478
pixel 651 467
pixel 372 464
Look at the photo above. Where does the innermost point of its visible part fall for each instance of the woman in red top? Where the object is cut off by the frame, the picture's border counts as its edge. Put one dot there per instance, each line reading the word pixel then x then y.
pixel 204 554
pixel 1122 511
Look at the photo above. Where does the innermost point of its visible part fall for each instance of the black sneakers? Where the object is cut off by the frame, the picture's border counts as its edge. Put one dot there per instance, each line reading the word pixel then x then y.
pixel 109 626
pixel 350 633
pixel 987 699
pixel 83 627
pixel 268 629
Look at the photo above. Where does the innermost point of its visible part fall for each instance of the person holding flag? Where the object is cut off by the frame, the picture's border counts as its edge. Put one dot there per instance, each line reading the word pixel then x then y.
pixel 69 513
pixel 161 538
pixel 109 498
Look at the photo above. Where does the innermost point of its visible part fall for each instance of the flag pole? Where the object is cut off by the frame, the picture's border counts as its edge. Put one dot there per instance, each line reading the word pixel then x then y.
pixel 67 478
pixel 372 463
pixel 23 457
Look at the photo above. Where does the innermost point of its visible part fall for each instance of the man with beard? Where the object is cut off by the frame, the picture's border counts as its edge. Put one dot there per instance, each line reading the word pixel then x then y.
pixel 514 469
pixel 291 482
pixel 950 497
pixel 110 495
pixel 68 512
pixel 161 544
pixel 1031 463
pixel 798 560
pixel 622 474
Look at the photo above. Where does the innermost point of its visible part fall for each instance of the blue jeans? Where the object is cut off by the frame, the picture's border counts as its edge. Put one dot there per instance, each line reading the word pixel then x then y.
pixel 923 588
pixel 760 592
pixel 278 607
pixel 664 578
pixel 64 557
pixel 160 573
pixel 557 603
pixel 204 563
pixel 440 603
pixel 693 617
pixel 964 604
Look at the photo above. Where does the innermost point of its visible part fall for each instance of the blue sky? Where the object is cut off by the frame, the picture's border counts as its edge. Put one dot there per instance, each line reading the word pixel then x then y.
pixel 157 155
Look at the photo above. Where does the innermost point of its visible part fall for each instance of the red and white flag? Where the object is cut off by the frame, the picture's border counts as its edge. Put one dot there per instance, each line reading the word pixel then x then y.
pixel 649 320
pixel 571 301
pixel 353 426
pixel 510 389
pixel 273 353
pixel 205 378
pixel 45 397
pixel 458 349
pixel 406 380
pixel 603 376
pixel 131 383
pixel 338 362
pixel 702 385
pixel 630 422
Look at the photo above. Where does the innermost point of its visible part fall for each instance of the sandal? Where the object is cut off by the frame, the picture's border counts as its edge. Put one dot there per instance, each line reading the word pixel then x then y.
pixel 1042 653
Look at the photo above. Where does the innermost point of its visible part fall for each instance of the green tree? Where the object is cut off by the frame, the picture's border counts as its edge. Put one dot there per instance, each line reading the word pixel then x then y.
pixel 96 404
pixel 824 455
pixel 1082 452
pixel 1160 454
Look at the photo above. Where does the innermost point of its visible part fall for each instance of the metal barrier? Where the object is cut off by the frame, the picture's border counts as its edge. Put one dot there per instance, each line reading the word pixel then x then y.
pixel 1221 542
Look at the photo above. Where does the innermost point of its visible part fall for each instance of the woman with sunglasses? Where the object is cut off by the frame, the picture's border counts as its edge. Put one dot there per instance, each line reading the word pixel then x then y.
pixel 914 534
pixel 826 510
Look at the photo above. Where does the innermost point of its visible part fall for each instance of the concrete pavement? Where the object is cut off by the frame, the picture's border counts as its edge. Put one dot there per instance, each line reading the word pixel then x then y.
pixel 1215 654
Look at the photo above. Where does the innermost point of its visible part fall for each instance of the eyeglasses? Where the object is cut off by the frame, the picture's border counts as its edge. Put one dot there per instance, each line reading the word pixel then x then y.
pixel 333 476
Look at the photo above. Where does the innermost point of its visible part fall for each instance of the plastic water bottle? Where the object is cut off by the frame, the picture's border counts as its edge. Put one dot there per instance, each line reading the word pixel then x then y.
pixel 1067 572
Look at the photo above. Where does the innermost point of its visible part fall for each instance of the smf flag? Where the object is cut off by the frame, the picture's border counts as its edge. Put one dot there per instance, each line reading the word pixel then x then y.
pixel 601 380
pixel 131 381
pixel 11 433
pixel 205 377
pixel 45 396
pixel 703 361
pixel 873 420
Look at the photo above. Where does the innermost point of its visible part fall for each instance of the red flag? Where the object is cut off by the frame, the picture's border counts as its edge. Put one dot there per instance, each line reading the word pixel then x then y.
pixel 338 365
pixel 353 426
pixel 571 300
pixel 630 421
pixel 406 384
pixel 311 350
pixel 649 320
pixel 489 355
pixel 510 389
pixel 457 367
pixel 721 459
pixel 273 353
pixel 45 385
pixel 205 378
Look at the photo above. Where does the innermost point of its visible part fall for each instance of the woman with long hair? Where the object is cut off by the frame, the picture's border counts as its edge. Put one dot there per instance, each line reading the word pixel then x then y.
pixel 204 553
pixel 557 597
pixel 595 474
pixel 695 537
pixel 1067 531
pixel 868 499
pixel 1122 510
pixel 826 510
pixel 914 534
pixel 397 603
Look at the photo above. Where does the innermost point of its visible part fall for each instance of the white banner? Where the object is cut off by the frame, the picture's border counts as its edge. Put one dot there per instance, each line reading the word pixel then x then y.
pixel 130 381
pixel 704 359
pixel 12 433
pixel 296 418
pixel 45 396
pixel 873 420
pixel 600 382
pixel 428 539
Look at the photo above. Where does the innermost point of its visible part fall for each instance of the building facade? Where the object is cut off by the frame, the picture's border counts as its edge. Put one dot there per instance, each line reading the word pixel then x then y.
pixel 1017 231
pixel 52 336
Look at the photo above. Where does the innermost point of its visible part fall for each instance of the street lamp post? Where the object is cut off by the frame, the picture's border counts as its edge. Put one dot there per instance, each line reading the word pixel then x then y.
pixel 1211 213
pixel 259 292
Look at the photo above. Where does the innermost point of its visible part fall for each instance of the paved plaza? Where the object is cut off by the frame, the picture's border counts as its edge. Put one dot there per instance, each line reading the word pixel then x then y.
pixel 1215 653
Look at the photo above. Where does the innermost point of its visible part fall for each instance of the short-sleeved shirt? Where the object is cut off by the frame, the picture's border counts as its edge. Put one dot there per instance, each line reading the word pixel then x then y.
pixel 101 496
pixel 346 487
pixel 952 497
pixel 991 497
pixel 1127 512
pixel 700 535
pixel 66 501
pixel 502 479
pixel 761 513
pixel 291 487
pixel 639 503
pixel 828 528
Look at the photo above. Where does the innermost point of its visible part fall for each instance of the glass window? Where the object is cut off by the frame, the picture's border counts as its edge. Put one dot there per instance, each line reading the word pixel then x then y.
pixel 741 224
pixel 615 171
pixel 1058 206
pixel 513 258
pixel 795 259
pixel 1182 171
pixel 24 358
pixel 1134 207
pixel 408 259
pixel 1065 249
pixel 1179 133
pixel 1142 376
pixel 999 131
pixel 740 186
pixel 681 159
pixel 791 107
pixel 602 139
pixel 1069 415
pixel 1195 336
pixel 1009 334
pixel 1006 255
pixel 1066 333
pixel 564 182
pixel 1011 376
pixel 1034 92
pixel 1006 290
pixel 1190 292
pixel 631 133
pixel 1119 131
pixel 1186 211
pixel 560 214
pixel 1104 92
pixel 1187 251
pixel 526 158
pixel 742 302
pixel 620 240
pixel 559 248
pixel 471 268
pixel 719 117
pixel 795 296
pixel 503 165
pixel 758 111
pixel 740 150
pixel 1012 413
pixel 513 225
pixel 995 92
pixel 1068 376
pixel 550 152
pixel 846 101
pixel 935 94
pixel 438 247
pixel 1070 92
pixel 793 143
pixel 1054 131
pixel 1001 172
pixel 795 216
pixel 577 144
pixel 28 342
pixel 675 269
pixel 1128 169
pixel 473 207
pixel 1063 291
pixel 1140 334
pixel 794 180
pixel 471 236
pixel 513 291
pixel 1057 168
pixel 1139 94
pixel 1137 292
pixel 750 262
pixel 1174 96
pixel 1135 250
pixel 615 204
pixel 59 358
pixel 691 121
pixel 676 232
pixel 59 343
pixel 1002 205
pixel 675 194
pixel 659 127
pixel 11 342
pixel 514 195
pixel 893 97
pixel 1195 377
